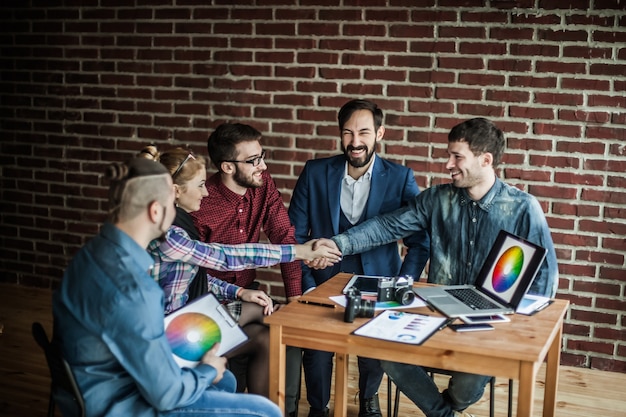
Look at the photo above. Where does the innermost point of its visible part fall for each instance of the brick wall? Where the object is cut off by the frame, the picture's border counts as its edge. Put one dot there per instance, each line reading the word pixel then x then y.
pixel 88 82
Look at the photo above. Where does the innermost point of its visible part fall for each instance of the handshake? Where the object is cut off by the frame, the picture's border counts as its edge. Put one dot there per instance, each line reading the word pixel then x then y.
pixel 319 253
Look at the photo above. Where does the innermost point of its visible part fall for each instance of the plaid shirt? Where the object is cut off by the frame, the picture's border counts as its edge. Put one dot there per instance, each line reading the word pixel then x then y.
pixel 227 217
pixel 177 259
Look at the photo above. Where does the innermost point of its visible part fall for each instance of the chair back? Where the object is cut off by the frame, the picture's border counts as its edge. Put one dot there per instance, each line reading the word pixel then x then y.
pixel 64 391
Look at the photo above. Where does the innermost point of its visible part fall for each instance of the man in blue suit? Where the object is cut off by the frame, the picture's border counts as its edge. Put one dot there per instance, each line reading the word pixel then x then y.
pixel 331 196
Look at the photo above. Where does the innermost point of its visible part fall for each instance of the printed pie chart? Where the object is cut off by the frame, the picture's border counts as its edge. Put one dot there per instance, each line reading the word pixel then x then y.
pixel 191 334
pixel 507 269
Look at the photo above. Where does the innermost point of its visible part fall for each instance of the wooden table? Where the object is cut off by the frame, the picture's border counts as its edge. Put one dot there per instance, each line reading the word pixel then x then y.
pixel 512 350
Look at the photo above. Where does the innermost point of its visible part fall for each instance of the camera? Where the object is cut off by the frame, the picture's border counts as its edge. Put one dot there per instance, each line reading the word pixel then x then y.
pixel 398 289
pixel 356 306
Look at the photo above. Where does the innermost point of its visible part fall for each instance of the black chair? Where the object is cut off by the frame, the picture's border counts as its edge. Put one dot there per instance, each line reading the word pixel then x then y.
pixel 64 392
pixel 492 383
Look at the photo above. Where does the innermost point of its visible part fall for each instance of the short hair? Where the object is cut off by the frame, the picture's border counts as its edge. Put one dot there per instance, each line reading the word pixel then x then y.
pixel 482 136
pixel 351 106
pixel 183 164
pixel 134 186
pixel 222 143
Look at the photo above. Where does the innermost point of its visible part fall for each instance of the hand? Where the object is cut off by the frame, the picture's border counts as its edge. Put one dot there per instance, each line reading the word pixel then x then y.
pixel 260 298
pixel 218 362
pixel 317 255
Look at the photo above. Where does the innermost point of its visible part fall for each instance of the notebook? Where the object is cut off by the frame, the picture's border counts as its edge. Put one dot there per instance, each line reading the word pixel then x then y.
pixel 194 328
pixel 504 278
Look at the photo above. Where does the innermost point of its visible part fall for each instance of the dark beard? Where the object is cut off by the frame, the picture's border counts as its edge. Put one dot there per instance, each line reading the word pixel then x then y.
pixel 245 182
pixel 355 162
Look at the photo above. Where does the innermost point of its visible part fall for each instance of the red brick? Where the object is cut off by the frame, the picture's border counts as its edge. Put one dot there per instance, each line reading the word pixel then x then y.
pixel 352 29
pixel 590 346
pixel 606 364
pixel 411 31
pixel 606 133
pixel 362 60
pixel 457 94
pixel 464 32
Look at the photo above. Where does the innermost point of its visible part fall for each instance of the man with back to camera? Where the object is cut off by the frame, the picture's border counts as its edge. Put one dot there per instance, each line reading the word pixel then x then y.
pixel 463 218
pixel 331 196
pixel 125 367
pixel 243 200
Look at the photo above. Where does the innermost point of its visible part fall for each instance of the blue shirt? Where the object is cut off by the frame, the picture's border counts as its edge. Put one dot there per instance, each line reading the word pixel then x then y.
pixel 108 317
pixel 461 231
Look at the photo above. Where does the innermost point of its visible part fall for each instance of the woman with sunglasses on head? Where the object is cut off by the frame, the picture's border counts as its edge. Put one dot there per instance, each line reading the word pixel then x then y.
pixel 179 258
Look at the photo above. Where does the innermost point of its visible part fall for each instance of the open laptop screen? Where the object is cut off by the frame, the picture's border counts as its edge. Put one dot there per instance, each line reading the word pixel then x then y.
pixel 512 262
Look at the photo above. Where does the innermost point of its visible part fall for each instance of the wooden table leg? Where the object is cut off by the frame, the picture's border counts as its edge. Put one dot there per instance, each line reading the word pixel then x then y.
pixel 526 391
pixel 552 375
pixel 277 365
pixel 341 384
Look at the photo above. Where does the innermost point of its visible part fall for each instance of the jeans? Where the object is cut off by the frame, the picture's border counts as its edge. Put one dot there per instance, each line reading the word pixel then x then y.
pixel 221 400
pixel 463 389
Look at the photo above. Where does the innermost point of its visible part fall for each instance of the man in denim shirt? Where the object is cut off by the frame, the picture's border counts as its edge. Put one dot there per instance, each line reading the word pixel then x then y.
pixel 463 219
pixel 108 317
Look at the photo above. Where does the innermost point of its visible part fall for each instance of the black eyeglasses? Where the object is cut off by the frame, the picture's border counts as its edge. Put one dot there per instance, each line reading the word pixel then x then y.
pixel 252 161
pixel 180 167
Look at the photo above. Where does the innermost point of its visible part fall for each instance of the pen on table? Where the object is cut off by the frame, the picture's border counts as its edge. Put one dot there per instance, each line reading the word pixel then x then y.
pixel 316 303
pixel 446 323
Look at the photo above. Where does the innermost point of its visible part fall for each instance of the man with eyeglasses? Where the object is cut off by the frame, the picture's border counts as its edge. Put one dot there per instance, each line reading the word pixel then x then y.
pixel 243 200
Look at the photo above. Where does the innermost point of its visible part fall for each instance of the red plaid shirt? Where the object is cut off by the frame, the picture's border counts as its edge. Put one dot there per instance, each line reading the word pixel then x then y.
pixel 227 217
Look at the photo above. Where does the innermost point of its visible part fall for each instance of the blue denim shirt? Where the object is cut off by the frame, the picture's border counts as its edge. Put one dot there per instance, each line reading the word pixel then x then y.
pixel 461 231
pixel 108 317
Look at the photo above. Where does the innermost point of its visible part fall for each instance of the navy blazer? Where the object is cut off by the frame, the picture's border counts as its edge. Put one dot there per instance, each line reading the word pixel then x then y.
pixel 315 210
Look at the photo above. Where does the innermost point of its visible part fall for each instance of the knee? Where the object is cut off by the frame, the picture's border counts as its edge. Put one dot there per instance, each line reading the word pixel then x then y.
pixel 391 368
pixel 465 390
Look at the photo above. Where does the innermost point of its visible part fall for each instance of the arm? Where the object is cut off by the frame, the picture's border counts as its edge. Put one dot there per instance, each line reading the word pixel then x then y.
pixel 418 243
pixel 547 280
pixel 379 230
pixel 141 347
pixel 178 247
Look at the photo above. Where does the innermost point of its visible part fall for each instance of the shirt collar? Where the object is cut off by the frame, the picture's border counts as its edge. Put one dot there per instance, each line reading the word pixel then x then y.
pixel 486 202
pixel 139 255
pixel 366 176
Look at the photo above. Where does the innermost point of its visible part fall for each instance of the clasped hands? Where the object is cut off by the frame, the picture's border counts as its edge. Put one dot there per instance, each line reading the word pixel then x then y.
pixel 327 251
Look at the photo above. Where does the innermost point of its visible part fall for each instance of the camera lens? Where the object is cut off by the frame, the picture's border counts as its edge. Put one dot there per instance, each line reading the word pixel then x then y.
pixel 405 296
pixel 367 308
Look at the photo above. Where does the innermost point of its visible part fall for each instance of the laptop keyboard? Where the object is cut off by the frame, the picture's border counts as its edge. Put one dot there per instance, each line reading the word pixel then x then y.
pixel 472 299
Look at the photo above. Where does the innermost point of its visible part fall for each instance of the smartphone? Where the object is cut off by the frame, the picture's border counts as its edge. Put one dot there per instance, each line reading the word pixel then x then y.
pixel 470 327
pixel 494 318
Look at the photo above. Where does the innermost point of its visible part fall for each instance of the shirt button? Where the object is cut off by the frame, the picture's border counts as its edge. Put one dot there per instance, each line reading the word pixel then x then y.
pixel 471 243
pixel 474 220
pixel 240 230
pixel 240 210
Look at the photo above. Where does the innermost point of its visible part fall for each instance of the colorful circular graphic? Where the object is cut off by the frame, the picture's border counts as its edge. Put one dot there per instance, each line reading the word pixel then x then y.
pixel 507 269
pixel 192 334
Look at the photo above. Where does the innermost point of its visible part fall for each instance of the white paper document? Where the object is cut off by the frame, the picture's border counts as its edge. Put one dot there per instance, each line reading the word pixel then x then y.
pixel 400 326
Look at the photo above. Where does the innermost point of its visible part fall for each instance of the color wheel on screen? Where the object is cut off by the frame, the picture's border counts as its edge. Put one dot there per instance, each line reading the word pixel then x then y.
pixel 507 269
pixel 191 335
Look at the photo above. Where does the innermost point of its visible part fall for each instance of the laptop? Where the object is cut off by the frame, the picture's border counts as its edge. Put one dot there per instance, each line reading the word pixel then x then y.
pixel 504 279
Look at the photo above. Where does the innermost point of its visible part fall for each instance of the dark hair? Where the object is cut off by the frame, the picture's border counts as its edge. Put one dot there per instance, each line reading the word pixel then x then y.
pixel 482 136
pixel 181 163
pixel 350 107
pixel 222 143
pixel 134 185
